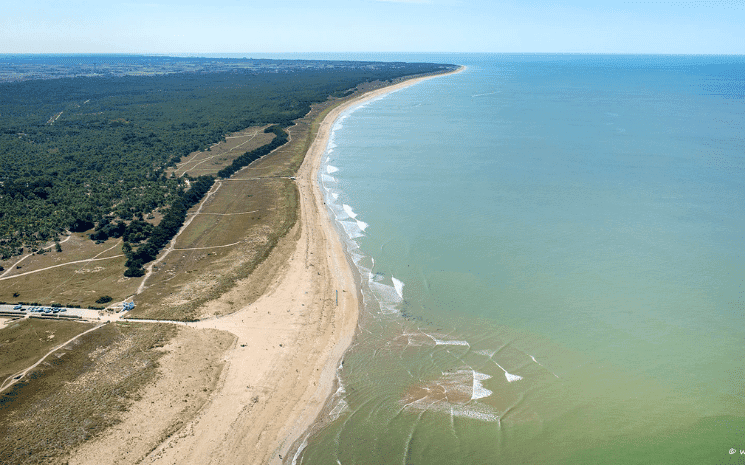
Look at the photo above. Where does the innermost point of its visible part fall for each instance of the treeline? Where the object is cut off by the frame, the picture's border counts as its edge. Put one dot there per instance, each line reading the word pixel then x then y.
pixel 244 160
pixel 160 235
pixel 74 151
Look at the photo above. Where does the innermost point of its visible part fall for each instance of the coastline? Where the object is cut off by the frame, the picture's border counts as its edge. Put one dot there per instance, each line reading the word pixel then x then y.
pixel 308 180
pixel 281 369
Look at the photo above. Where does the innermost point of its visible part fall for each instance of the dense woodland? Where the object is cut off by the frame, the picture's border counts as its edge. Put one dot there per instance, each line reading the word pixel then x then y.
pixel 91 152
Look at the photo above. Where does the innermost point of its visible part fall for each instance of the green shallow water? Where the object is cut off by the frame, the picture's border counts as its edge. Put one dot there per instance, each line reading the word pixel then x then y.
pixel 551 253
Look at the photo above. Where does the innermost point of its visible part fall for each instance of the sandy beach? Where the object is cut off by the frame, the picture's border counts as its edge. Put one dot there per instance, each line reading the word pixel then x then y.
pixel 281 368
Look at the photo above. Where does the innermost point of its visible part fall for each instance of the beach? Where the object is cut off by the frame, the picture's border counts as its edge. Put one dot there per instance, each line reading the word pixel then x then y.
pixel 281 367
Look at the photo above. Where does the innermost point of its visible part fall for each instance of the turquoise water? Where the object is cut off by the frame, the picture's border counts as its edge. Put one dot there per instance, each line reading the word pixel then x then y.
pixel 551 254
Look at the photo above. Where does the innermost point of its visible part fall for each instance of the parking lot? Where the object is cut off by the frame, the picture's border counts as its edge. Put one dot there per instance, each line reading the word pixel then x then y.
pixel 67 313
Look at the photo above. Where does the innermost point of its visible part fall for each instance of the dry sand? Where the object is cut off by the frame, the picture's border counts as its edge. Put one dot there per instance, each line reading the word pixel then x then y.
pixel 289 343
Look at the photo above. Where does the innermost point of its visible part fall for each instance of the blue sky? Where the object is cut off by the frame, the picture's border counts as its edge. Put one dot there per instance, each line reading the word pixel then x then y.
pixel 234 26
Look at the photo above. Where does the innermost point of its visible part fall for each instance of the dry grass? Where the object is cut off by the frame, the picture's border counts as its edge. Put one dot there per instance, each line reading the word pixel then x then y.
pixel 200 269
pixel 221 155
pixel 79 391
pixel 69 283
pixel 236 231
pixel 24 342
pixel 188 372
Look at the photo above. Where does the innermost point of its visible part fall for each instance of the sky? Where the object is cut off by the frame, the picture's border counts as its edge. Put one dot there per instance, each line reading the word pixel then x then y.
pixel 491 26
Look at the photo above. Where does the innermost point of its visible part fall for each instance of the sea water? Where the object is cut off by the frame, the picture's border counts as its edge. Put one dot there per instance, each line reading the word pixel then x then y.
pixel 551 254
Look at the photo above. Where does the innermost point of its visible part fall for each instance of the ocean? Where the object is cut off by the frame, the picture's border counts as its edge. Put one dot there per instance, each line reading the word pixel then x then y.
pixel 550 250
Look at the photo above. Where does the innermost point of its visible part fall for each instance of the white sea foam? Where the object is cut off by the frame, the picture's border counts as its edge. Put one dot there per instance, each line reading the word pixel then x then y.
pixel 486 353
pixel 475 412
pixel 441 342
pixel 338 212
pixel 457 390
pixel 330 147
pixel 510 377
pixel 349 211
pixel 300 450
pixel 385 292
pixel 340 407
pixel 488 93
pixel 326 178
pixel 399 286
pixel 479 391
pixel 331 169
pixel 386 295
pixel 335 195
pixel 352 229
pixel 362 225
pixel 472 410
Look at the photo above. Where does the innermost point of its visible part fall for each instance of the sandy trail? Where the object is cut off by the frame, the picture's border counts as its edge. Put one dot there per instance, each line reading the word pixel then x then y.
pixel 172 242
pixel 13 267
pixel 12 379
pixel 217 155
pixel 87 260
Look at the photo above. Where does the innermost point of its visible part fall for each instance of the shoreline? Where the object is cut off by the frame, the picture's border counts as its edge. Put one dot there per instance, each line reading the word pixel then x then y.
pixel 309 173
pixel 280 371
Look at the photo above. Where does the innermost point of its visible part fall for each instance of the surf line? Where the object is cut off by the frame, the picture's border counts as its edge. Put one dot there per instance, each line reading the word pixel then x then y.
pixel 539 363
pixel 510 377
pixel 482 95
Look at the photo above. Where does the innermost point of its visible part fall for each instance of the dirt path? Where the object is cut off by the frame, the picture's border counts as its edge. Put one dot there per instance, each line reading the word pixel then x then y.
pixel 212 246
pixel 87 260
pixel 252 136
pixel 226 214
pixel 12 379
pixel 30 254
pixel 172 243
